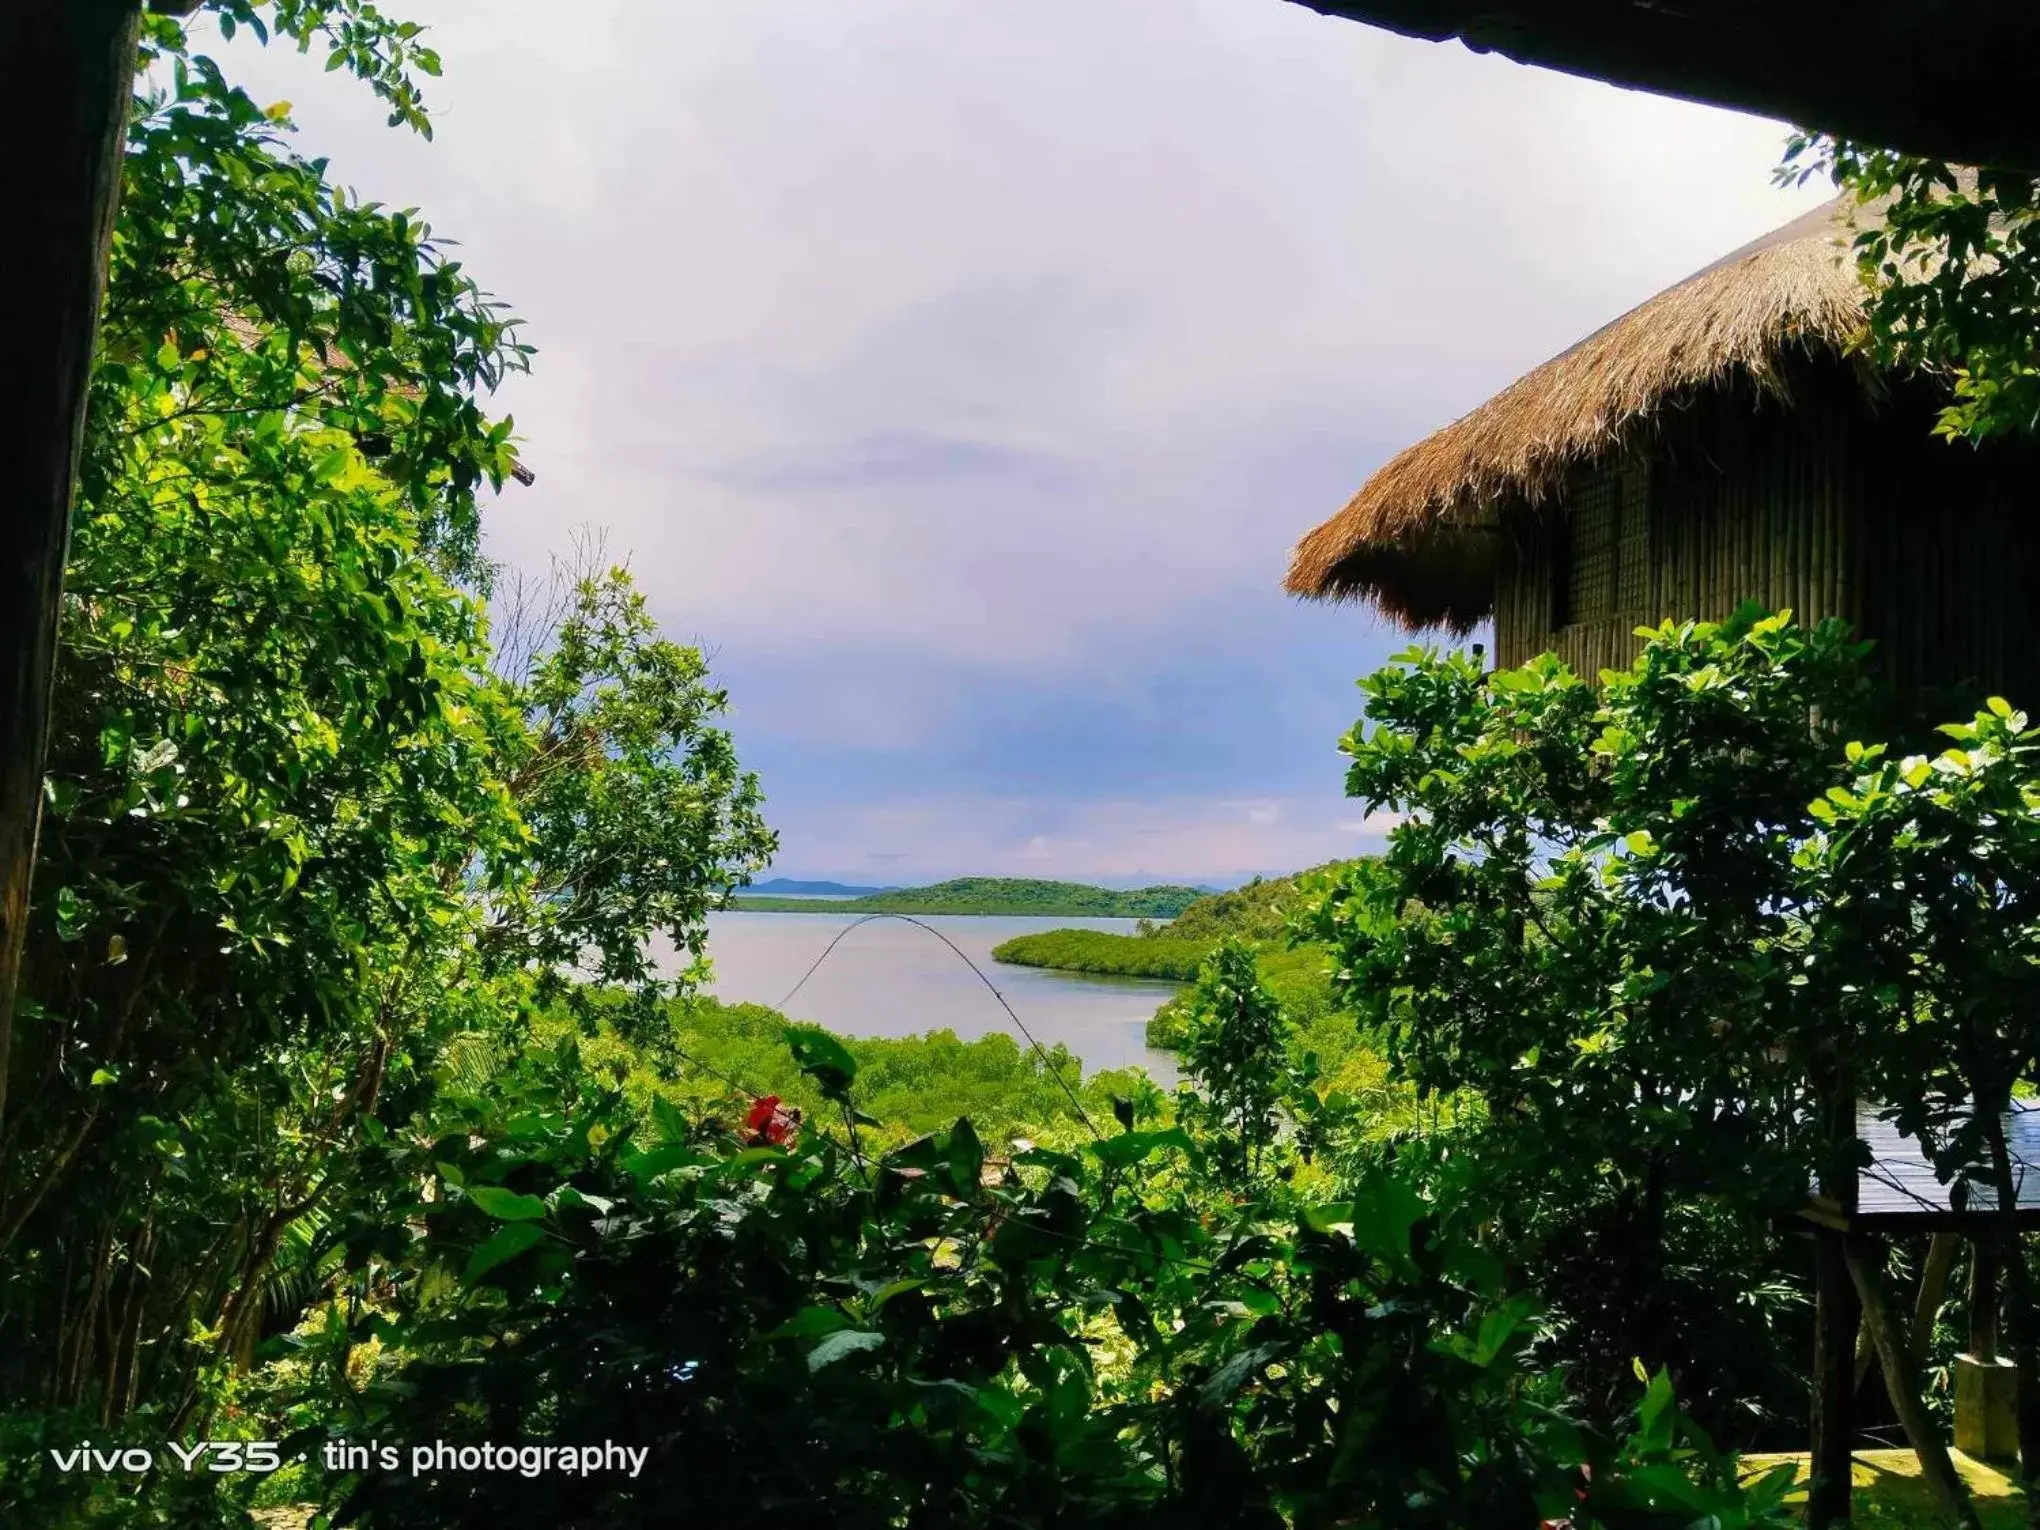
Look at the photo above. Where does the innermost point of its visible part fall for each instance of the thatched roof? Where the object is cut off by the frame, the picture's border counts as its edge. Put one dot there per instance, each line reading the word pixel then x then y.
pixel 1411 541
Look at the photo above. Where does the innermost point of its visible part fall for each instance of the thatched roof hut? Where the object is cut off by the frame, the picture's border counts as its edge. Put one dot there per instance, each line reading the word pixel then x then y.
pixel 1715 444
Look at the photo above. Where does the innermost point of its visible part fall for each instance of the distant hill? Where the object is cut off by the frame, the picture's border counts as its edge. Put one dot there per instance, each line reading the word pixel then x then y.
pixel 1256 913
pixel 994 895
pixel 783 886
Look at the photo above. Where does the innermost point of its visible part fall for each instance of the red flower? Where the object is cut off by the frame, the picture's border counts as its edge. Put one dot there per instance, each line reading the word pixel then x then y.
pixel 767 1124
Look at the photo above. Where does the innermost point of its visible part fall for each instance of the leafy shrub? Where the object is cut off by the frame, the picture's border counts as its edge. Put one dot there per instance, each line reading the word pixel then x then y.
pixel 1074 1338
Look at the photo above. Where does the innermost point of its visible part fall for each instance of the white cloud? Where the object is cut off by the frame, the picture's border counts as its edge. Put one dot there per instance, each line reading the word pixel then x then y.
pixel 1373 826
pixel 949 324
pixel 1181 839
pixel 1001 337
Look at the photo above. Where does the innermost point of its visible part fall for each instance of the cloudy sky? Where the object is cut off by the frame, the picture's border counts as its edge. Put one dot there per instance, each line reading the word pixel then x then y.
pixel 960 372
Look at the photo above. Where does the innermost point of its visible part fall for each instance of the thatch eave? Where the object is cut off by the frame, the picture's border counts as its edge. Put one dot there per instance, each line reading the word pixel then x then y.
pixel 1743 320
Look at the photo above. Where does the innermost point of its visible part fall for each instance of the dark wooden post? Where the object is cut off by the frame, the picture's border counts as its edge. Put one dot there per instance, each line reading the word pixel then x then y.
pixel 1835 1315
pixel 66 73
pixel 1836 1312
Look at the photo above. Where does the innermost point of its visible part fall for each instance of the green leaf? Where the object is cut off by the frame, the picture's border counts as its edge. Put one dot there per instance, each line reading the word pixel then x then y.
pixel 667 1118
pixel 1497 1327
pixel 1329 1216
pixel 660 1160
pixel 506 1205
pixel 896 1288
pixel 1131 1147
pixel 1657 1415
pixel 809 1323
pixel 824 1059
pixel 848 1341
pixel 966 1157
pixel 1385 1210
pixel 1236 1373
pixel 505 1244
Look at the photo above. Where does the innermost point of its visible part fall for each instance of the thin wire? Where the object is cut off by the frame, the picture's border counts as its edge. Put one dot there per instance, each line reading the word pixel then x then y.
pixel 962 956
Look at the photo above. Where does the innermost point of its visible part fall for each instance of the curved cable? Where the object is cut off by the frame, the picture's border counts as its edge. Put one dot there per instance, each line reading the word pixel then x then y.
pixel 964 957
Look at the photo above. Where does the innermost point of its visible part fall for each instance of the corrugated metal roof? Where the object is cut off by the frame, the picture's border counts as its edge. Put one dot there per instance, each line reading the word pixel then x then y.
pixel 1900 1184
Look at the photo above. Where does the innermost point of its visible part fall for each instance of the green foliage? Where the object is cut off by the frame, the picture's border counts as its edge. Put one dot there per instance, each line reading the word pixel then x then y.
pixel 1943 928
pixel 1952 261
pixel 639 815
pixel 1298 973
pixel 1235 1048
pixel 1584 924
pixel 1072 1338
pixel 727 1054
pixel 996 895
pixel 1259 911
pixel 1300 978
pixel 1660 938
pixel 377 49
pixel 1102 951
pixel 251 299
pixel 1926 940
pixel 305 853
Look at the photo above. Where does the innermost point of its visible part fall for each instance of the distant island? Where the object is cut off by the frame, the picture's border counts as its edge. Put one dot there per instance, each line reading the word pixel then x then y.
pixel 787 886
pixel 1299 975
pixel 990 895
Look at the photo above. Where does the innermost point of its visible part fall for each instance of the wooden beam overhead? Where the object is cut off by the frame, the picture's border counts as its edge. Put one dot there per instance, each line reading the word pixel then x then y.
pixel 1950 79
pixel 66 73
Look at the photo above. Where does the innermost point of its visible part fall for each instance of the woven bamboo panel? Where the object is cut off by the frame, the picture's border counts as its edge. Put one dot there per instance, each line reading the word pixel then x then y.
pixel 1835 506
pixel 1593 574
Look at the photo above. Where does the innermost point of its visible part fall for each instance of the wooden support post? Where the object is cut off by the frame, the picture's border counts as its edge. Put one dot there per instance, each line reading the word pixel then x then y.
pixel 1828 1498
pixel 66 74
pixel 1901 1381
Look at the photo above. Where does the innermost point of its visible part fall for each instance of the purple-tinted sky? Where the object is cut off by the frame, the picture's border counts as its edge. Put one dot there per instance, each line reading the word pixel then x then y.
pixel 960 372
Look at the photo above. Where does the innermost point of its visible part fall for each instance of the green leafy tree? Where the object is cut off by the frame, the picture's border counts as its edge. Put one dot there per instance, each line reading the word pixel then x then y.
pixel 1584 928
pixel 640 817
pixel 250 292
pixel 1236 1048
pixel 306 854
pixel 1939 938
pixel 1952 261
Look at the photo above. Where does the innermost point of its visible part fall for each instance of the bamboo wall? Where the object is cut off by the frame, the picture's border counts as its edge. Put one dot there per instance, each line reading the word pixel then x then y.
pixel 1833 507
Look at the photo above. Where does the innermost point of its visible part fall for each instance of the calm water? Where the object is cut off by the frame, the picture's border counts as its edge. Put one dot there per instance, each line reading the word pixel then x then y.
pixel 890 978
